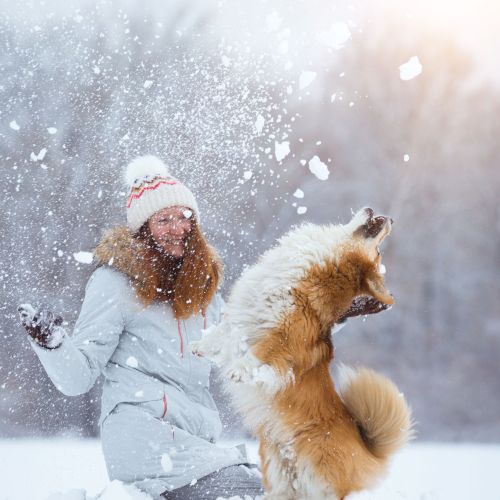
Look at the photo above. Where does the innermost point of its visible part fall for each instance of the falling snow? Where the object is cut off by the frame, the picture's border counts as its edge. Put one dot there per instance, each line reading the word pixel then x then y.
pixel 83 257
pixel 281 150
pixel 259 124
pixel 306 78
pixel 318 168
pixel 338 35
pixel 410 69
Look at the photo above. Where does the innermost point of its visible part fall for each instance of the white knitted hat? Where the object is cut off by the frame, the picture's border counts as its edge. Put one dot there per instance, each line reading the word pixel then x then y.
pixel 151 188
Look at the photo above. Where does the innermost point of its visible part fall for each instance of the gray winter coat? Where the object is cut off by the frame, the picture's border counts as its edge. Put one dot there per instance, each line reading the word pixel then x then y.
pixel 158 419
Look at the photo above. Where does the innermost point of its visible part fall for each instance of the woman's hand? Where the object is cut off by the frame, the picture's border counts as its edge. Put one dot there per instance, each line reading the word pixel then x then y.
pixel 42 325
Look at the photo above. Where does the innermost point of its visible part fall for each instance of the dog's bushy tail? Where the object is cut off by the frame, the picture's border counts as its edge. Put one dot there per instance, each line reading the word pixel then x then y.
pixel 379 409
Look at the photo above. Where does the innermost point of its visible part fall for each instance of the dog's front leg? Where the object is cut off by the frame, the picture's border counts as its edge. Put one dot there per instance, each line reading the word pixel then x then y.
pixel 213 343
pixel 249 369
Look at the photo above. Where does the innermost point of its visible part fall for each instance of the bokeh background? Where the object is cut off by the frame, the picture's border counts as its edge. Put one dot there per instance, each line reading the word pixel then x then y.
pixel 238 97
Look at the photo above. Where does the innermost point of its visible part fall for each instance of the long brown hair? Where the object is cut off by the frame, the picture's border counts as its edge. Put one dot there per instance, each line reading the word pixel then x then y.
pixel 188 284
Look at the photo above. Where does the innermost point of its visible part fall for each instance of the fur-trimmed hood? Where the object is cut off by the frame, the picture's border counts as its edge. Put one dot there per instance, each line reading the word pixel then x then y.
pixel 154 276
pixel 119 249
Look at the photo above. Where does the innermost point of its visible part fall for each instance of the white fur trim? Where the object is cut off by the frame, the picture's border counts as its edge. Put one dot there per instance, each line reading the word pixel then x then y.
pixel 145 166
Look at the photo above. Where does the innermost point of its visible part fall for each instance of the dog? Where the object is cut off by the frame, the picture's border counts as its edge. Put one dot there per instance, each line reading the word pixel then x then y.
pixel 274 348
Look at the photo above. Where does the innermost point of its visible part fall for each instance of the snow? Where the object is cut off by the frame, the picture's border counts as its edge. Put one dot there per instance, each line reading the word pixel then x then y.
pixel 301 210
pixel 281 149
pixel 52 130
pixel 83 257
pixel 338 35
pixel 423 471
pixel 148 84
pixel 115 490
pixel 306 78
pixel 259 123
pixel 410 69
pixel 131 361
pixel 273 21
pixel 13 125
pixel 298 193
pixel 40 156
pixel 166 462
pixel 119 491
pixel 318 168
pixel 406 158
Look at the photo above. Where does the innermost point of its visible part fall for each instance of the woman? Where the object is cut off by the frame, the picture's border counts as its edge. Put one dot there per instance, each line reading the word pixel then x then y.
pixel 153 292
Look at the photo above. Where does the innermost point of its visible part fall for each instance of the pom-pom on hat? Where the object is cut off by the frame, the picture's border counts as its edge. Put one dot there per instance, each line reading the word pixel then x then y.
pixel 151 188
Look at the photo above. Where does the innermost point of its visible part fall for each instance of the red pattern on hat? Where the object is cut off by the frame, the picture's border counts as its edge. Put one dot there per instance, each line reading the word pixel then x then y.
pixel 136 196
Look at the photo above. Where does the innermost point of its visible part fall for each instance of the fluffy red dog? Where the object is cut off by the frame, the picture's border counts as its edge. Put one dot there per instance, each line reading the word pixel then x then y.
pixel 274 346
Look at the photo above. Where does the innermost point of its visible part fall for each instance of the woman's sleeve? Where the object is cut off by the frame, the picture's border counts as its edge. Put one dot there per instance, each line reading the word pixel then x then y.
pixel 75 365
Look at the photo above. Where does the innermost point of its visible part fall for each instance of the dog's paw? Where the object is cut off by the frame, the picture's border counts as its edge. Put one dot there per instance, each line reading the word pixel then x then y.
pixel 195 346
pixel 270 379
pixel 240 372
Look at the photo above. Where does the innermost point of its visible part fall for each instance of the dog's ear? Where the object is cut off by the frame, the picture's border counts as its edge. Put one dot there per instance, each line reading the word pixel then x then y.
pixel 374 286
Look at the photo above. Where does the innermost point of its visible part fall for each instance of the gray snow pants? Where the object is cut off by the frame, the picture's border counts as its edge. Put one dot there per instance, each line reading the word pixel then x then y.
pixel 159 458
pixel 235 480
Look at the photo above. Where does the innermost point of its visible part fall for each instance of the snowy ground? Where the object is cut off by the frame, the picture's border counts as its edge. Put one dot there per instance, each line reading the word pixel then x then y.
pixel 35 469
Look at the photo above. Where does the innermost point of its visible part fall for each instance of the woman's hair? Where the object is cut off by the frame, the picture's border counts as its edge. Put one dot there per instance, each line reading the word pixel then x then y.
pixel 188 284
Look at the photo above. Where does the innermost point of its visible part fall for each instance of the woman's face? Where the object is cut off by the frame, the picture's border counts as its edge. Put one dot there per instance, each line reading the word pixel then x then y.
pixel 170 228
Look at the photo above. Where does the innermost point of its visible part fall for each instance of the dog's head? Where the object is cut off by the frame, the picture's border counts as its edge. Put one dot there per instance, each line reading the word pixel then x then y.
pixel 361 254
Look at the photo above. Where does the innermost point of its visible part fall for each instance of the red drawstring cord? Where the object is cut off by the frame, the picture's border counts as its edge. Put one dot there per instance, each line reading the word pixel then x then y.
pixel 180 332
pixel 180 337
pixel 164 405
pixel 165 412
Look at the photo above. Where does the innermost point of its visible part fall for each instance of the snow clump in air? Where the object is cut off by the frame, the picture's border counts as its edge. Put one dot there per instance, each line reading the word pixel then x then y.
pixel 281 149
pixel 306 78
pixel 273 21
pixel 338 35
pixel 40 156
pixel 259 123
pixel 83 257
pixel 13 125
pixel 298 193
pixel 318 168
pixel 410 69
